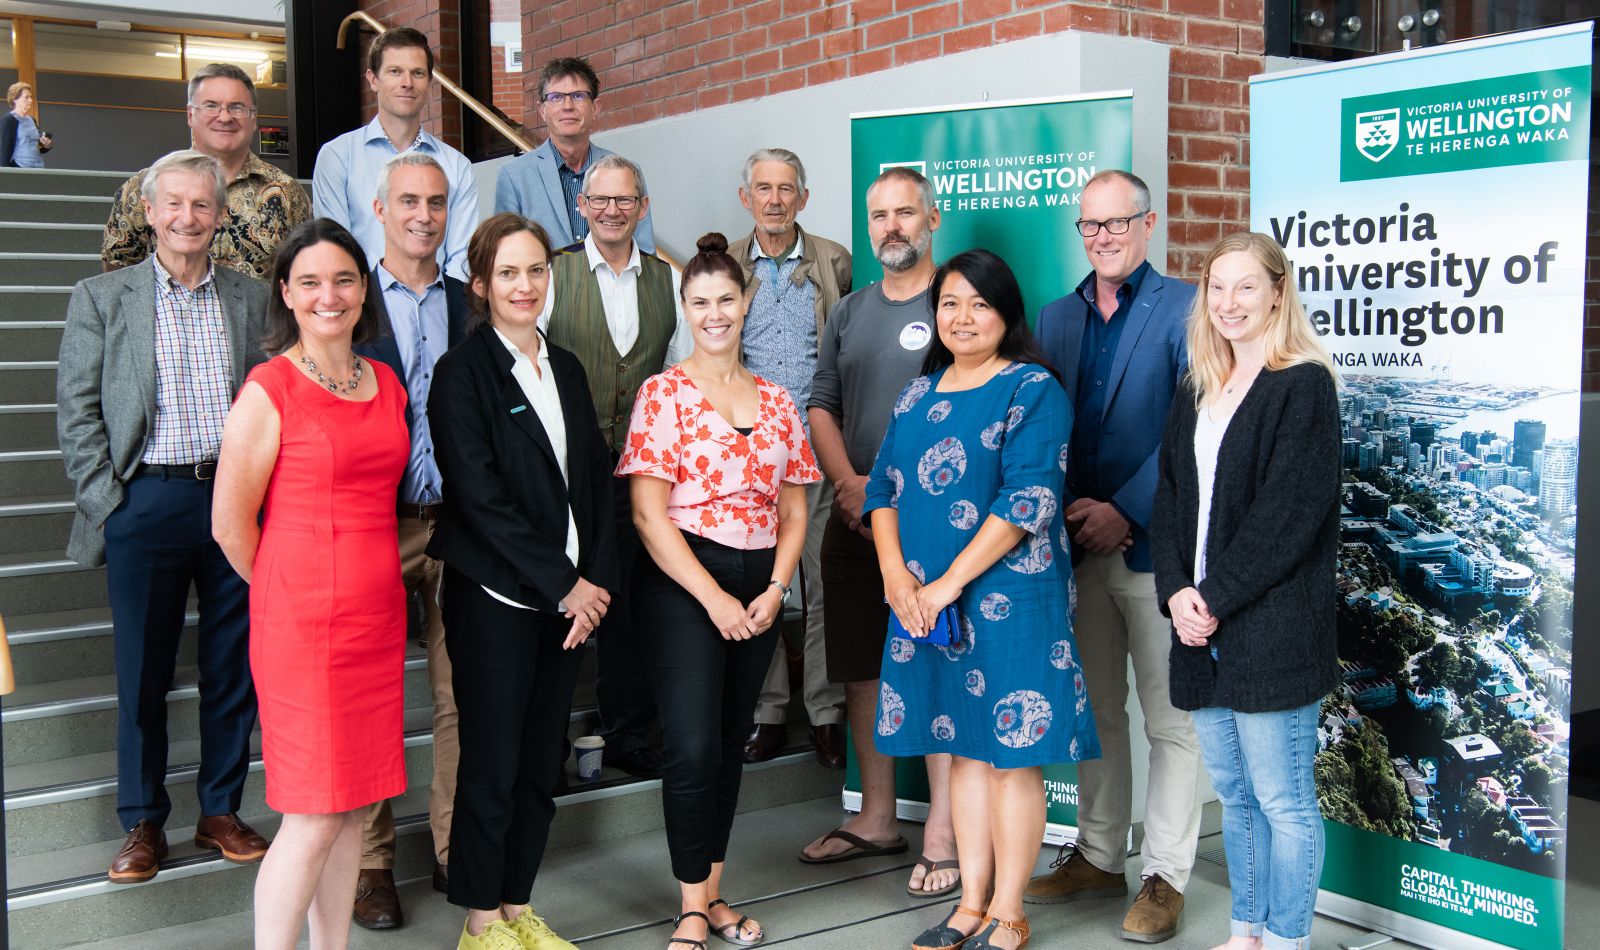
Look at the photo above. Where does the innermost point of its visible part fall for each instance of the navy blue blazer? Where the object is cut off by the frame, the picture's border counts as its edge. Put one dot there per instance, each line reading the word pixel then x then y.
pixel 1150 361
pixel 386 350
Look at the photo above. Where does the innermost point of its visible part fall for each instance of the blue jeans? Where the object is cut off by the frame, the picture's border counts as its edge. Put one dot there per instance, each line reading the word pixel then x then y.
pixel 1261 766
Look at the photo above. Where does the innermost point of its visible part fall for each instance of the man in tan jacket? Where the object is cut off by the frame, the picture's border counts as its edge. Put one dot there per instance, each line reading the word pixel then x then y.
pixel 795 279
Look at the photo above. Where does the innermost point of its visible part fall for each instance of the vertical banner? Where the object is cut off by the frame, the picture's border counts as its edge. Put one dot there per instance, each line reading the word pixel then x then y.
pixel 1006 176
pixel 1433 205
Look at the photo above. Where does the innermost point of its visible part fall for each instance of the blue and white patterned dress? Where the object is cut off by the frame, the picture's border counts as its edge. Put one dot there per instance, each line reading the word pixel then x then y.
pixel 1011 693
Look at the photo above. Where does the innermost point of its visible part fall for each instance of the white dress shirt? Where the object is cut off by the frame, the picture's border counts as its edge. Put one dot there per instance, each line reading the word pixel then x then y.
pixel 619 293
pixel 539 387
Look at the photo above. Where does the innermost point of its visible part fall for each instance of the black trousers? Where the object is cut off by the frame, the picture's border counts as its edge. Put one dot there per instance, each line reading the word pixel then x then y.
pixel 513 685
pixel 706 690
pixel 158 541
pixel 622 679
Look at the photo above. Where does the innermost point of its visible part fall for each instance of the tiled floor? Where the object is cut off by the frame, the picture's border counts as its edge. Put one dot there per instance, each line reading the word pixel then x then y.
pixel 617 896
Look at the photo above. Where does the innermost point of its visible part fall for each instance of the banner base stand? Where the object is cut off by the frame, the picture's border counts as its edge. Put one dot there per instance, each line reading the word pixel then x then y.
pixel 1396 925
pixel 907 810
pixel 1366 942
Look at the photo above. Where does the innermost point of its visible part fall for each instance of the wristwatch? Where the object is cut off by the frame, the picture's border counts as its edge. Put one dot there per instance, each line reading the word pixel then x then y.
pixel 781 586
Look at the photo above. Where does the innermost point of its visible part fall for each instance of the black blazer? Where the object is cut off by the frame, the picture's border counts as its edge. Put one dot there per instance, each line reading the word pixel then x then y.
pixel 504 519
pixel 1270 550
pixel 386 350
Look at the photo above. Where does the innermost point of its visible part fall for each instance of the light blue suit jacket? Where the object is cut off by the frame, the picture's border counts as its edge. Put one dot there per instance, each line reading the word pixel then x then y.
pixel 1152 356
pixel 530 185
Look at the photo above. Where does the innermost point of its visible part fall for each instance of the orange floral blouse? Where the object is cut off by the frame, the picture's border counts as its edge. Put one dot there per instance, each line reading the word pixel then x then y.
pixel 724 483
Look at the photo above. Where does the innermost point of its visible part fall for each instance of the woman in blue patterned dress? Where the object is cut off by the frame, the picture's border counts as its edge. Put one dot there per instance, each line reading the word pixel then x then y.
pixel 965 501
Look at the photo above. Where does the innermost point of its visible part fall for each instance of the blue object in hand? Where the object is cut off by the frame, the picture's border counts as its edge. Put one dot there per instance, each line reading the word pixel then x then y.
pixel 946 630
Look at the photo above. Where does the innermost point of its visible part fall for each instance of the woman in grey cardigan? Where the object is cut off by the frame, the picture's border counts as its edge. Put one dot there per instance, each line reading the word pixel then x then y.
pixel 1245 533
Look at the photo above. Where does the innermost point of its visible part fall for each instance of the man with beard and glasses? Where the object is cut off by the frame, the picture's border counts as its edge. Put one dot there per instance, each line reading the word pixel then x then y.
pixel 795 279
pixel 872 346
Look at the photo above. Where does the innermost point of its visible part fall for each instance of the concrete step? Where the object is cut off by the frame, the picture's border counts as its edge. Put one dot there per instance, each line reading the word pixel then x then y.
pixel 29 304
pixel 31 340
pixel 71 717
pixel 74 209
pixel 66 900
pixel 32 236
pixel 51 268
pixel 28 426
pixel 66 644
pixel 33 582
pixel 34 181
pixel 29 475
pixel 35 524
pixel 69 802
pixel 27 381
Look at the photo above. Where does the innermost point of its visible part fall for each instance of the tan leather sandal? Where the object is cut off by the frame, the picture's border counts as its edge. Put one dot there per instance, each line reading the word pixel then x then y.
pixel 944 936
pixel 980 940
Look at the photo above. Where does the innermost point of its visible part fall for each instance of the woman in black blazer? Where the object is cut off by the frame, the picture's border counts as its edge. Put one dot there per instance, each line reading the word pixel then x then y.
pixel 1245 533
pixel 526 543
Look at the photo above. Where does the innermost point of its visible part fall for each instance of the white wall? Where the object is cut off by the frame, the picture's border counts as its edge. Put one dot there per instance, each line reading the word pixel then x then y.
pixel 262 12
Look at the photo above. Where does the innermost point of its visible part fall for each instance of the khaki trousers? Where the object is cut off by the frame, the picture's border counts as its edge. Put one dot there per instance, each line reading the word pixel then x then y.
pixel 824 699
pixel 1118 619
pixel 422 573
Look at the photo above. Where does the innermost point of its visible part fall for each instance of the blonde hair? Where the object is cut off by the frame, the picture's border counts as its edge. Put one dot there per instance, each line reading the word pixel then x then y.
pixel 17 89
pixel 1289 338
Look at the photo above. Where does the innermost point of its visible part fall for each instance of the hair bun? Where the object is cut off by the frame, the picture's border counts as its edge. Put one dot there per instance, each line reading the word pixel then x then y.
pixel 713 243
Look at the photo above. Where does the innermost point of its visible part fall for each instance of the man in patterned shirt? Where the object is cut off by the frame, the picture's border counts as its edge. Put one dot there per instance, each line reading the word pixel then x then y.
pixel 151 357
pixel 264 203
pixel 795 279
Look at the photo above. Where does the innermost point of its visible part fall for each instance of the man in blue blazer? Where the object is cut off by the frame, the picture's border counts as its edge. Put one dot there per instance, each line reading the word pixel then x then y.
pixel 423 312
pixel 544 184
pixel 1118 343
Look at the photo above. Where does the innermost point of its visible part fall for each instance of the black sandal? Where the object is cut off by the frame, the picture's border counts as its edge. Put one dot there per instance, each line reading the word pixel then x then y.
pixel 678 920
pixel 738 929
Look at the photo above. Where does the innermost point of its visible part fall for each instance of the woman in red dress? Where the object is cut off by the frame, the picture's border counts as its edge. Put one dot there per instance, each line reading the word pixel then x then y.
pixel 316 444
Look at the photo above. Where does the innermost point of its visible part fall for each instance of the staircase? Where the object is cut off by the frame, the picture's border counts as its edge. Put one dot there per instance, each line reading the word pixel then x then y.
pixel 59 727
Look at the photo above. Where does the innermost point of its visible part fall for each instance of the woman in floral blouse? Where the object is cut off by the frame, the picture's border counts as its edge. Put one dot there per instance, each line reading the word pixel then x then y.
pixel 719 463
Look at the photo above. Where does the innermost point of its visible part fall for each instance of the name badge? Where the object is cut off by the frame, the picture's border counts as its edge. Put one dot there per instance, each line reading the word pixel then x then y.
pixel 915 336
pixel 518 409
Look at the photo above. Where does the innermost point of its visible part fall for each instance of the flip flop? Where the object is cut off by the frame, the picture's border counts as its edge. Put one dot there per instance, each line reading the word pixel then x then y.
pixel 859 848
pixel 929 866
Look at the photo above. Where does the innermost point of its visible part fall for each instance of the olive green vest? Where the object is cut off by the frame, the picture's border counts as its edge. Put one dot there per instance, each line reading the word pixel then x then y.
pixel 578 323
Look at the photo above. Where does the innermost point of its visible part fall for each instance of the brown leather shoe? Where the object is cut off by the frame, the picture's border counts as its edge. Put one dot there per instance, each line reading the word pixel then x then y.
pixel 441 878
pixel 1154 914
pixel 237 841
pixel 765 741
pixel 141 855
pixel 1074 879
pixel 377 902
pixel 827 740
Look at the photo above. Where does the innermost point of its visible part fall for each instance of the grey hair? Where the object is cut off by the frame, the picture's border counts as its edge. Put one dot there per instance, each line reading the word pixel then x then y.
pixel 773 155
pixel 408 157
pixel 186 160
pixel 1141 191
pixel 220 71
pixel 906 173
pixel 615 162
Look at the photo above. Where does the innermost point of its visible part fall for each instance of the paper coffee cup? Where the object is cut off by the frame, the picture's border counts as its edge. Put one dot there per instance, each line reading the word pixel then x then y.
pixel 589 751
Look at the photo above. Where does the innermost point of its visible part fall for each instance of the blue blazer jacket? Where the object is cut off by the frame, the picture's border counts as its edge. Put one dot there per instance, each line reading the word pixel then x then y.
pixel 386 350
pixel 530 185
pixel 1150 361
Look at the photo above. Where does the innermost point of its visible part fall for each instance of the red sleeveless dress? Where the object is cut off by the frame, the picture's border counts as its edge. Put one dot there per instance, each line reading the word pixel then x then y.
pixel 327 609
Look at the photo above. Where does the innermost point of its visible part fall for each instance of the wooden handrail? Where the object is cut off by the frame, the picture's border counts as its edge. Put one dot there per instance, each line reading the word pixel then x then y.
pixel 8 678
pixel 467 99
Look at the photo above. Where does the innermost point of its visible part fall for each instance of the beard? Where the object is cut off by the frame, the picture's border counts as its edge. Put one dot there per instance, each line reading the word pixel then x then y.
pixel 898 253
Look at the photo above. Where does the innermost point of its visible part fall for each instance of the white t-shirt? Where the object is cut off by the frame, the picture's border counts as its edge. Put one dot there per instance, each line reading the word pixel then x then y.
pixel 1208 433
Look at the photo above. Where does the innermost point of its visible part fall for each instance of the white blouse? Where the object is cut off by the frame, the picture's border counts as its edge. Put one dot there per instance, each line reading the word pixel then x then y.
pixel 1208 433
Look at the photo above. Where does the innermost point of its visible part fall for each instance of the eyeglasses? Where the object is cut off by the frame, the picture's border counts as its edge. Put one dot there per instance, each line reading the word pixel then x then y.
pixel 1112 225
pixel 578 98
pixel 599 202
pixel 212 109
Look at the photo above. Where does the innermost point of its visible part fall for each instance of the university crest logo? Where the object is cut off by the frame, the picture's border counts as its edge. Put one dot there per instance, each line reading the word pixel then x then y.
pixel 1377 133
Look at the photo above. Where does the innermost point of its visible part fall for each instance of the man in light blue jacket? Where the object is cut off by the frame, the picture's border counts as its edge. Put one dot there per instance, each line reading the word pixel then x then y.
pixel 544 184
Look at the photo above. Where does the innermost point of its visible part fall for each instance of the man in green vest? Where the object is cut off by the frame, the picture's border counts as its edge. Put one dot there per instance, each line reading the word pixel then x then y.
pixel 617 308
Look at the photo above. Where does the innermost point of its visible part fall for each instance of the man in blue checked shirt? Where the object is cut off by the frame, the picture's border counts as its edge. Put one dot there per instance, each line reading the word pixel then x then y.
pixel 400 72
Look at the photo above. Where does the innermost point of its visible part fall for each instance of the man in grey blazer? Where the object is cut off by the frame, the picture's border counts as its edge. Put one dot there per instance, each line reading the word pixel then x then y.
pixel 151 358
pixel 544 184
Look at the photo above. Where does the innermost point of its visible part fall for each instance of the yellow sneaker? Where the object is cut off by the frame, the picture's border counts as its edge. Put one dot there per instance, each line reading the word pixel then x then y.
pixel 497 936
pixel 534 934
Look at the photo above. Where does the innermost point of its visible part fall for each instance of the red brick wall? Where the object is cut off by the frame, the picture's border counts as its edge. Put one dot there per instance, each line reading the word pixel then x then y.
pixel 440 23
pixel 506 88
pixel 665 57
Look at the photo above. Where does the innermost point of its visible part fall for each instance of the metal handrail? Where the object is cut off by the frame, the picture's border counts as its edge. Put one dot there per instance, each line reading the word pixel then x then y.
pixel 467 99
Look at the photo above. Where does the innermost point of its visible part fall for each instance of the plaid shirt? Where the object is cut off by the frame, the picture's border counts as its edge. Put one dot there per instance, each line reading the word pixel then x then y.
pixel 194 371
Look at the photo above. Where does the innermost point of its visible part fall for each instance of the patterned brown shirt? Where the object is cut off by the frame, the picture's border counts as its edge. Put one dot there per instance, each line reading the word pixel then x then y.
pixel 264 205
